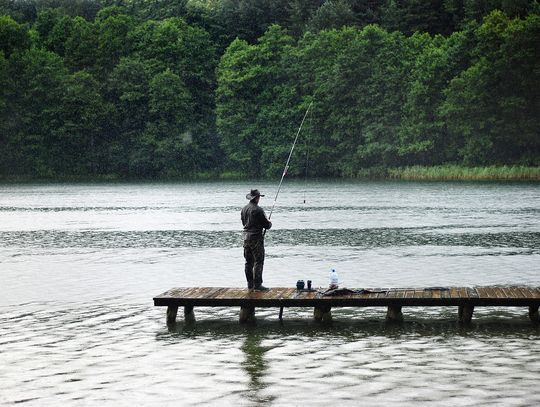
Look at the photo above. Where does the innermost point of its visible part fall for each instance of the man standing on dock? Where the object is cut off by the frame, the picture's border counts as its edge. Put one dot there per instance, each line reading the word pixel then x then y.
pixel 254 221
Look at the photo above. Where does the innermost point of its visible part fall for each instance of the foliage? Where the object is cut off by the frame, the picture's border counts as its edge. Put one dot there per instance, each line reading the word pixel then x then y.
pixel 332 14
pixel 13 36
pixel 493 106
pixel 183 88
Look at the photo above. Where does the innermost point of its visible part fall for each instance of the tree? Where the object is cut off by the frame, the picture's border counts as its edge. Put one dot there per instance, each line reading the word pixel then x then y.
pixel 189 53
pixel 128 91
pixel 412 16
pixel 4 152
pixel 44 24
pixel 3 81
pixel 86 9
pixel 424 139
pixel 113 37
pixel 493 106
pixel 300 12
pixel 165 147
pixel 249 19
pixel 59 35
pixel 170 100
pixel 363 100
pixel 426 16
pixel 313 70
pixel 186 51
pixel 366 11
pixel 78 145
pixel 253 98
pixel 35 94
pixel 22 11
pixel 13 36
pixel 80 45
pixel 332 14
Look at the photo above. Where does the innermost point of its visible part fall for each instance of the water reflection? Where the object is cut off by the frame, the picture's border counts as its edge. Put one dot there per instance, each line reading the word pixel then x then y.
pixel 360 359
pixel 255 365
pixel 349 324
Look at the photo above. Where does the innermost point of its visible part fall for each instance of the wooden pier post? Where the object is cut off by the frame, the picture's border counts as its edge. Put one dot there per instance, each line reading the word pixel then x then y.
pixel 533 313
pixel 189 315
pixel 393 314
pixel 465 313
pixel 322 313
pixel 172 310
pixel 247 314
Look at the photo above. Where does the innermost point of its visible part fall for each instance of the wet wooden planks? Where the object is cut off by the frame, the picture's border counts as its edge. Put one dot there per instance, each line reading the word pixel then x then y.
pixel 290 297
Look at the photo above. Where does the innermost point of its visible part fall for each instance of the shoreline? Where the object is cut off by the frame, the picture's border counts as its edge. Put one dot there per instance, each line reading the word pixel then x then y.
pixel 410 173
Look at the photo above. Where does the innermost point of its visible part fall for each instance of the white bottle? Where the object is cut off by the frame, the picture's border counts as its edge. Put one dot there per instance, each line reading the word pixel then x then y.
pixel 333 279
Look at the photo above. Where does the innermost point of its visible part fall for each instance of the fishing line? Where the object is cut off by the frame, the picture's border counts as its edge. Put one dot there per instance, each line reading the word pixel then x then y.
pixel 288 161
pixel 306 174
pixel 306 146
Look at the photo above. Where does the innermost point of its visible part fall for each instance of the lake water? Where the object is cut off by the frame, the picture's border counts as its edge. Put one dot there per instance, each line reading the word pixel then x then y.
pixel 79 265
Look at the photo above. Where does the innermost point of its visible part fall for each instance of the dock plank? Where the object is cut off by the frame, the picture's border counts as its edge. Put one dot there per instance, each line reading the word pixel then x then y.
pixel 382 293
pixel 289 293
pixel 185 292
pixel 392 293
pixel 524 295
pixel 481 292
pixel 454 292
pixel 287 296
pixel 491 292
pixel 507 292
pixel 529 292
pixel 204 293
pixel 463 294
pixel 279 292
pixel 418 293
pixel 226 293
pixel 518 293
pixel 220 293
pixel 537 293
pixel 499 292
pixel 534 292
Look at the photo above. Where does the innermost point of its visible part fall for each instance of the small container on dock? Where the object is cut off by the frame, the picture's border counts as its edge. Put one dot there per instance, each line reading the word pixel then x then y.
pixel 334 282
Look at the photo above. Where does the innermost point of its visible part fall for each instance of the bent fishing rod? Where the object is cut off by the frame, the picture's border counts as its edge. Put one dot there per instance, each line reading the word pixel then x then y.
pixel 288 161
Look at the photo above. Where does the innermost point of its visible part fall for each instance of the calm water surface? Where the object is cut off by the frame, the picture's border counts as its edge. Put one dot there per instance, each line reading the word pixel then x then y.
pixel 79 265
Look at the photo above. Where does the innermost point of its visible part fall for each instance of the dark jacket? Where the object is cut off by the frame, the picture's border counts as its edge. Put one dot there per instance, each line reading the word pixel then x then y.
pixel 254 221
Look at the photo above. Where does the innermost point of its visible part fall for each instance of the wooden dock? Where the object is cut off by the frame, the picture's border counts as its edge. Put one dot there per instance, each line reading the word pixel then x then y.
pixel 465 298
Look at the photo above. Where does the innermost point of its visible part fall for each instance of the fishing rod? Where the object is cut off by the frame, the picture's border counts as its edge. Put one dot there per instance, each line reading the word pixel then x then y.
pixel 288 160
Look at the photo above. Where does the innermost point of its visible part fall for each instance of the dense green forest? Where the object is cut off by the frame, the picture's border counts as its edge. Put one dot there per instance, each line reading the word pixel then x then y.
pixel 190 88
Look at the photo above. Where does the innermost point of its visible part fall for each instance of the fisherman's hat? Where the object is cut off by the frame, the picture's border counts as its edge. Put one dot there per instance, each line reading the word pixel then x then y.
pixel 254 193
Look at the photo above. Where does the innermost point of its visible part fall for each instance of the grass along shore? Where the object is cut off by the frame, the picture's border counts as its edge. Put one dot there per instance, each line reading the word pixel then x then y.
pixel 414 173
pixel 459 173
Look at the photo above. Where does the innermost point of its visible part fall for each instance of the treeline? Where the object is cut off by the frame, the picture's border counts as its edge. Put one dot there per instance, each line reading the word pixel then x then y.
pixel 183 88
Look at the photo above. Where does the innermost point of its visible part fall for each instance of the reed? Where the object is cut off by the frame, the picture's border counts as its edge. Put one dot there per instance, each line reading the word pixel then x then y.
pixel 459 173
